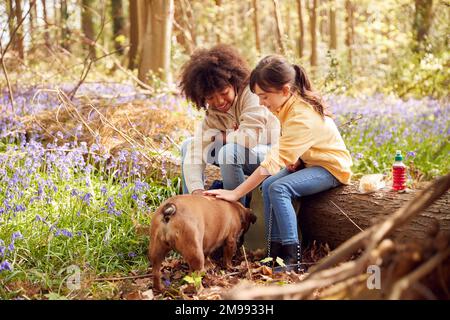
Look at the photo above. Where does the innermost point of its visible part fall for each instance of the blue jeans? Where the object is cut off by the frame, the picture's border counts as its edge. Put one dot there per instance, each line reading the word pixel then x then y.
pixel 279 191
pixel 235 161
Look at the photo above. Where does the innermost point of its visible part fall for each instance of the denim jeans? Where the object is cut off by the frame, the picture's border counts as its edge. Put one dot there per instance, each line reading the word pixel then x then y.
pixel 279 191
pixel 235 161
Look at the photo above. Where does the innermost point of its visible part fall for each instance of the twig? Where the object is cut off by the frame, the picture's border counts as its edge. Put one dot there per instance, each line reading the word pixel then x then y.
pixel 346 215
pixel 140 276
pixel 351 121
pixel 246 262
pixel 404 283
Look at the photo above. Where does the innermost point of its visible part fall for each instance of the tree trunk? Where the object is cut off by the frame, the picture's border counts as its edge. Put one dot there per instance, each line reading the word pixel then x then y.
pixel 134 34
pixel 301 39
pixel 256 25
pixel 63 25
pixel 118 23
pixel 32 17
pixel 423 15
pixel 319 219
pixel 219 21
pixel 87 25
pixel 312 27
pixel 280 31
pixel 349 29
pixel 19 33
pixel 46 32
pixel 11 15
pixel 155 54
pixel 333 29
pixel 323 19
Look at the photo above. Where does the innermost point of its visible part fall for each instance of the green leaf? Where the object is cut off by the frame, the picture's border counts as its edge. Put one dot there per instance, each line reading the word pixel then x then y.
pixel 55 296
pixel 280 262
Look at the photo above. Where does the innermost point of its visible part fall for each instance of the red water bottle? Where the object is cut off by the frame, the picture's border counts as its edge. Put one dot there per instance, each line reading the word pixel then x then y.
pixel 398 173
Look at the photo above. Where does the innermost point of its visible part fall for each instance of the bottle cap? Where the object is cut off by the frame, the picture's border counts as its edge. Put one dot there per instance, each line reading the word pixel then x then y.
pixel 398 156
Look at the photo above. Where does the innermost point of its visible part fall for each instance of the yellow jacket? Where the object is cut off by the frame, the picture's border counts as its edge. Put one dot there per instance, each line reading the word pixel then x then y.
pixel 306 135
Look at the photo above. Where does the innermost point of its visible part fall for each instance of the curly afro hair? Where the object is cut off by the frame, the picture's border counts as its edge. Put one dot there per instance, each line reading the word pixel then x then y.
pixel 211 70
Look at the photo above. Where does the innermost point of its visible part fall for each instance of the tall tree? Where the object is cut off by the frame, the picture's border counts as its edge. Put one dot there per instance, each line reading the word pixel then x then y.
pixel 323 4
pixel 333 29
pixel 301 38
pixel 219 20
pixel 11 15
pixel 33 20
pixel 87 25
pixel 155 54
pixel 46 31
pixel 349 34
pixel 118 23
pixel 256 25
pixel 64 25
pixel 134 34
pixel 19 33
pixel 423 17
pixel 312 29
pixel 279 25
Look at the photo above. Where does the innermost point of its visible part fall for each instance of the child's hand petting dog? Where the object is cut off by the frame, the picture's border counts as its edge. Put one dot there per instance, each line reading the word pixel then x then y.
pixel 228 195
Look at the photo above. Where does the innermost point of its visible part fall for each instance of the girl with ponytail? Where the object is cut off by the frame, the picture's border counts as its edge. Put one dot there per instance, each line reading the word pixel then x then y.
pixel 310 157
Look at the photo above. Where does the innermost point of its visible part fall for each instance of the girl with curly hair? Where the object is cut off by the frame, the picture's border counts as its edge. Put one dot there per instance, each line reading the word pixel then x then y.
pixel 236 132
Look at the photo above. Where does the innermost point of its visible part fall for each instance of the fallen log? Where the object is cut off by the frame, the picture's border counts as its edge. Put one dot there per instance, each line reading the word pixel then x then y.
pixel 336 215
pixel 411 270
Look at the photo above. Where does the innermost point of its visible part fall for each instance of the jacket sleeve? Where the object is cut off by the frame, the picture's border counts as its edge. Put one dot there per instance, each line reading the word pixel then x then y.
pixel 195 159
pixel 253 122
pixel 297 137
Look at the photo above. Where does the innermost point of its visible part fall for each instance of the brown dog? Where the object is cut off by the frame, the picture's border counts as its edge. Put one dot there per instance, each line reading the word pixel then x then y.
pixel 195 226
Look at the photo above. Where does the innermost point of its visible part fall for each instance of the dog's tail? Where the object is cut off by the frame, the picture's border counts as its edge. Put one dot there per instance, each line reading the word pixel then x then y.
pixel 168 211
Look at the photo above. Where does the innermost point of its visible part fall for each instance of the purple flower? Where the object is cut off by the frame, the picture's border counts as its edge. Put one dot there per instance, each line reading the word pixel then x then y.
pixel 359 155
pixel 5 265
pixel 132 254
pixel 103 190
pixel 67 233
pixel 16 235
pixel 410 154
pixel 375 163
pixel 87 198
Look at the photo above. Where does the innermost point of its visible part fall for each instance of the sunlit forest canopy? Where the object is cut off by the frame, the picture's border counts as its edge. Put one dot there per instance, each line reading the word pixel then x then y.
pixel 359 46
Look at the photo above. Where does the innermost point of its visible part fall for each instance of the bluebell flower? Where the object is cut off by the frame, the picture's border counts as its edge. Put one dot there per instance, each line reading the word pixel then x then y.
pixel 66 233
pixel 87 198
pixel 5 265
pixel 410 154
pixel 375 163
pixel 16 235
pixel 103 190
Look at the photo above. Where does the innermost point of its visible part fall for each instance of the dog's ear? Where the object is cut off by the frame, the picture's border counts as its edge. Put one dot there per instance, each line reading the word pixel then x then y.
pixel 248 217
pixel 251 216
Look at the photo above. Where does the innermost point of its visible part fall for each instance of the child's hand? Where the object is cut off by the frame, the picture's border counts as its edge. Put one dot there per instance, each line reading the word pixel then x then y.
pixel 228 195
pixel 296 166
